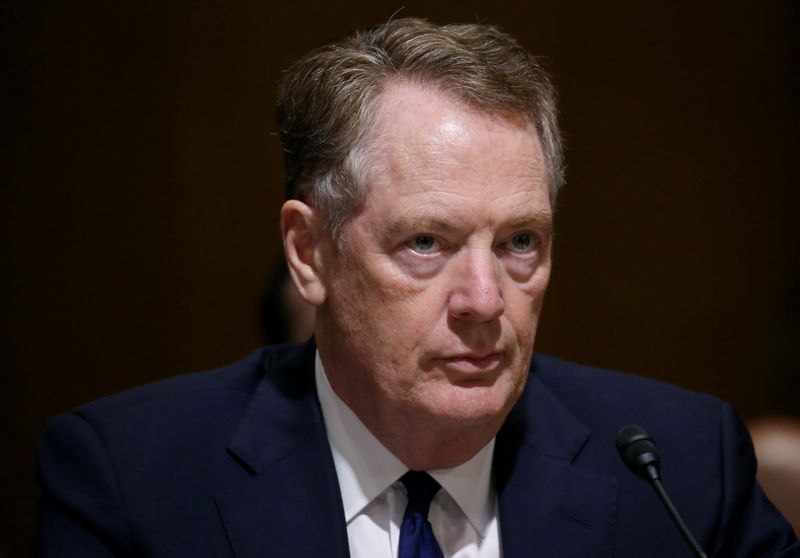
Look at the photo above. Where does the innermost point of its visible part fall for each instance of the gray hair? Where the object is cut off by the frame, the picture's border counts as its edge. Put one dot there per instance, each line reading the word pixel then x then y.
pixel 327 102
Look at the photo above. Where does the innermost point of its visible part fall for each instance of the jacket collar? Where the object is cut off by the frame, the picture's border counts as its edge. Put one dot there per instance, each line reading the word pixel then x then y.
pixel 289 500
pixel 550 507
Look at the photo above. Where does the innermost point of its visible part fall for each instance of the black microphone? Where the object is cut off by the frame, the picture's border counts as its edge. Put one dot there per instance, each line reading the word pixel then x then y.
pixel 639 453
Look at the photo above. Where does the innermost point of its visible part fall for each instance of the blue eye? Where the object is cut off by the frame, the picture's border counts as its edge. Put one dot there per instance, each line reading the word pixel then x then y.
pixel 522 242
pixel 424 244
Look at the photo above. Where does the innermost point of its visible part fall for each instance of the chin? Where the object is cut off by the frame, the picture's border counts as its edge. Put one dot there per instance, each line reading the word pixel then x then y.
pixel 475 403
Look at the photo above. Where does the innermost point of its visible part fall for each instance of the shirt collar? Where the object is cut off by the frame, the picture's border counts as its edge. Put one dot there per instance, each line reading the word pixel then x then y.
pixel 470 486
pixel 365 468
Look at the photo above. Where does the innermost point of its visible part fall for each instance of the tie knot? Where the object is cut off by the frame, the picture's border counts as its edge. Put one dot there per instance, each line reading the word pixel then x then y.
pixel 421 488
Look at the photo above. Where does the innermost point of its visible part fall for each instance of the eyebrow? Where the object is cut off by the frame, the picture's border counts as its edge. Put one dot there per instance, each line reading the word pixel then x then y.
pixel 538 219
pixel 425 223
pixel 431 223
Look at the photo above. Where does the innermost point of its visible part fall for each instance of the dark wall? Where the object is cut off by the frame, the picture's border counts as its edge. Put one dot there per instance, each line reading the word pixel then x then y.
pixel 139 208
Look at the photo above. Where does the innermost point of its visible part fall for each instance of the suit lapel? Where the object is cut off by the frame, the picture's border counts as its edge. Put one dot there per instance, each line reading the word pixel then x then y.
pixel 549 507
pixel 289 504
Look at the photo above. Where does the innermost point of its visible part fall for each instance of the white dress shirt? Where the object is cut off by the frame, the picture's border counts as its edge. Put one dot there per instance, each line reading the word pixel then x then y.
pixel 463 514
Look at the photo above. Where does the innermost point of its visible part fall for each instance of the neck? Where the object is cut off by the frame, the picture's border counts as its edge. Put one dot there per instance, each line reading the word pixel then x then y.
pixel 432 452
pixel 421 442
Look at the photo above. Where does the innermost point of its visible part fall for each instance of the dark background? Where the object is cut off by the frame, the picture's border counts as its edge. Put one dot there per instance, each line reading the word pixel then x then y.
pixel 142 184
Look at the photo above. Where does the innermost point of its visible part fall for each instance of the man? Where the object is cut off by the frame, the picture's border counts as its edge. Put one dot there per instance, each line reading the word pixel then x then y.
pixel 422 164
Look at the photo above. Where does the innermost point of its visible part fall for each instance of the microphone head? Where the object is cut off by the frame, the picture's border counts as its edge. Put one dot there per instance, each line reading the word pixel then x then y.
pixel 638 452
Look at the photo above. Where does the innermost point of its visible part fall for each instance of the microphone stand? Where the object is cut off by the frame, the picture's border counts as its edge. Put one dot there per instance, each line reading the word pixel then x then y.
pixel 639 453
pixel 655 482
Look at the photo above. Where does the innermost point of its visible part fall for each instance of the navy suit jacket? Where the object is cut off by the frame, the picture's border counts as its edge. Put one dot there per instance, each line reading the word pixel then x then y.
pixel 236 463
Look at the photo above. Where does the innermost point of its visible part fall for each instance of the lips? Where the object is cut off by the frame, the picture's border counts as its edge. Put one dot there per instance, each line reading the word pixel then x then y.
pixel 471 363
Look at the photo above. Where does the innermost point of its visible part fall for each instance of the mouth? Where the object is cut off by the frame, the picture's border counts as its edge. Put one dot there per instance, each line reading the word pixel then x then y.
pixel 471 364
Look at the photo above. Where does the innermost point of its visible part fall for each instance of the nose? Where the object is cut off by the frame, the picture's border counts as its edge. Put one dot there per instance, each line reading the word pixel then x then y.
pixel 476 294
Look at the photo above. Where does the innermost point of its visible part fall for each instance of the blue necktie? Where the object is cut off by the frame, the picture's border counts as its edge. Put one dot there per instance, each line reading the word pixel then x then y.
pixel 416 534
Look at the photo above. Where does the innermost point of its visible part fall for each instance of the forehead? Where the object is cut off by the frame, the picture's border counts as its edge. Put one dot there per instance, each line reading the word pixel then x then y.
pixel 428 147
pixel 416 113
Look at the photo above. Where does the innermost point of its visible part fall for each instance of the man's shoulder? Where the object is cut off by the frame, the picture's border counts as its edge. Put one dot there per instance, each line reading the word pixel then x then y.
pixel 157 457
pixel 232 385
pixel 569 377
pixel 177 421
pixel 597 395
pixel 697 434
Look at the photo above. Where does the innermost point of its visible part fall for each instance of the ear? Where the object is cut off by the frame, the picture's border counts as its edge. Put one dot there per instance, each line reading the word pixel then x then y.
pixel 302 232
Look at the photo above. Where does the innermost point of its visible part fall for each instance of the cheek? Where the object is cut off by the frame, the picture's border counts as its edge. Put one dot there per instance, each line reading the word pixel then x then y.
pixel 379 308
pixel 523 303
pixel 408 322
pixel 399 299
pixel 536 285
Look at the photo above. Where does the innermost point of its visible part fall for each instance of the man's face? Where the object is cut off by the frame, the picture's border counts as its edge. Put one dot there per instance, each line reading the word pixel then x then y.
pixel 434 295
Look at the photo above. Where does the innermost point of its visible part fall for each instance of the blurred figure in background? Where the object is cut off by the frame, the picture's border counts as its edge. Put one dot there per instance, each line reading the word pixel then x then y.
pixel 284 316
pixel 777 444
